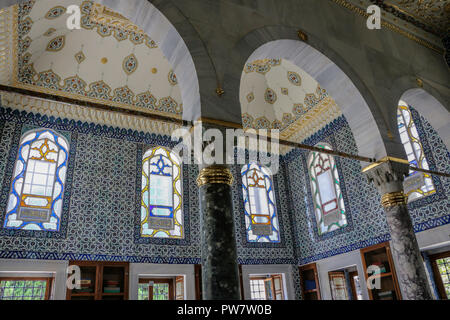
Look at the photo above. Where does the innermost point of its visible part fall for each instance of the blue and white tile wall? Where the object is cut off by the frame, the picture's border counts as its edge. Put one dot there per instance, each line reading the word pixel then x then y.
pixel 102 214
pixel 102 222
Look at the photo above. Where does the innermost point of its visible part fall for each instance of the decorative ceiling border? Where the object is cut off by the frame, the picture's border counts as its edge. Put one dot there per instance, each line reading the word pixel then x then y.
pixel 324 112
pixel 407 16
pixel 6 42
pixel 103 15
pixel 85 114
pixel 346 4
pixel 316 119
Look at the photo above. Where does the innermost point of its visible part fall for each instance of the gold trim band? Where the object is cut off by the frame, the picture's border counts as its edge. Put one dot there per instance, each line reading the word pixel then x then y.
pixel 393 199
pixel 215 174
pixel 383 160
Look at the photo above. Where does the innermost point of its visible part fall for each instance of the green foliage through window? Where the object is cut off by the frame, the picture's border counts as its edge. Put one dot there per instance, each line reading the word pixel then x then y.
pixel 22 289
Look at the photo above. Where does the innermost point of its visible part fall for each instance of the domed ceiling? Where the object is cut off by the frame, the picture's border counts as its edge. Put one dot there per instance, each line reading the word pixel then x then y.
pixel 276 94
pixel 109 60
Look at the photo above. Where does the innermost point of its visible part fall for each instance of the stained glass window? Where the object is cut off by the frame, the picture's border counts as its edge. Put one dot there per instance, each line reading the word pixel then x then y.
pixel 37 188
pixel 414 151
pixel 261 219
pixel 161 212
pixel 326 191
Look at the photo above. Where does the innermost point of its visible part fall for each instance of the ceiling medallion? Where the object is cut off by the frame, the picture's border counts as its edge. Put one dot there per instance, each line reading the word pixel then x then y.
pixel 130 64
pixel 270 96
pixel 154 70
pixel 172 78
pixel 419 82
pixel 261 66
pixel 250 97
pixel 285 91
pixel 104 60
pixel 55 12
pixel 80 57
pixel 220 91
pixel 294 78
pixel 302 35
pixel 56 44
pixel 49 32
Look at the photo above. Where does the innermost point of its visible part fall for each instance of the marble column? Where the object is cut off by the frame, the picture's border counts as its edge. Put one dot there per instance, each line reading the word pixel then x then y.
pixel 388 177
pixel 220 275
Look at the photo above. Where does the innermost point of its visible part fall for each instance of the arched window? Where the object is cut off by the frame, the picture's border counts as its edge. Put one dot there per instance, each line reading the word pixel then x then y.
pixel 37 188
pixel 161 213
pixel 325 186
pixel 414 151
pixel 261 219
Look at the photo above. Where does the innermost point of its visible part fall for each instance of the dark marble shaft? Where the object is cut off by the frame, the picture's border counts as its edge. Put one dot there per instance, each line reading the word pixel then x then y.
pixel 220 278
pixel 405 249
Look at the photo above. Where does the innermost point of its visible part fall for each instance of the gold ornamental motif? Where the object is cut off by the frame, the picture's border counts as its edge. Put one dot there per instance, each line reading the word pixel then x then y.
pixel 215 174
pixel 393 199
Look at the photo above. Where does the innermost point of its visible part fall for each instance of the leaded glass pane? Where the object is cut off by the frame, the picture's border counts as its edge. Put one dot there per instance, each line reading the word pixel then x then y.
pixel 161 190
pixel 22 290
pixel 413 149
pixel 326 186
pixel 259 204
pixel 161 205
pixel 258 200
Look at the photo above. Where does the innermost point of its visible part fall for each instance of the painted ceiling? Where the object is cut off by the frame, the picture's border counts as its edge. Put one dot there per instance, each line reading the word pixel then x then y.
pixel 109 60
pixel 276 94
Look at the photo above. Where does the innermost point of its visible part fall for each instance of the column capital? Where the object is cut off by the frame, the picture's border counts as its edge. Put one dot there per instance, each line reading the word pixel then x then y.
pixel 215 174
pixel 388 174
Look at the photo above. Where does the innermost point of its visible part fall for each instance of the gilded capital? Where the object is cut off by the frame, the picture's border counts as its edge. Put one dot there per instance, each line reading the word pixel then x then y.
pixel 215 174
pixel 388 174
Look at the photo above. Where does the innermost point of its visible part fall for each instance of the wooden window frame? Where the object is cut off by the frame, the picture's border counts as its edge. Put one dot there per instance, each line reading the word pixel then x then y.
pixel 352 276
pixel 271 278
pixel 48 287
pixel 437 275
pixel 337 274
pixel 170 281
pixel 198 282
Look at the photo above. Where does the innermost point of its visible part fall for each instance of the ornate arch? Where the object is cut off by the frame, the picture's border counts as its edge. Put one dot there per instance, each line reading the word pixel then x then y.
pixel 333 74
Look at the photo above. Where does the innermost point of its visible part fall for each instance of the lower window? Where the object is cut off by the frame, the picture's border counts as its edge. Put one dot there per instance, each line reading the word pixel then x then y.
pixel 25 288
pixel 267 288
pixel 441 270
pixel 161 288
